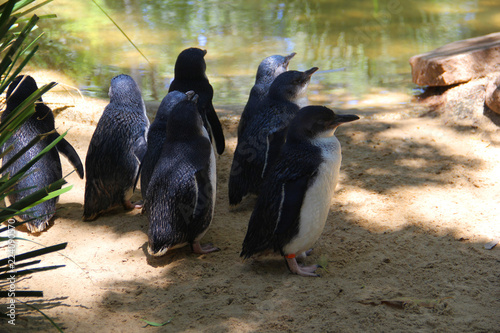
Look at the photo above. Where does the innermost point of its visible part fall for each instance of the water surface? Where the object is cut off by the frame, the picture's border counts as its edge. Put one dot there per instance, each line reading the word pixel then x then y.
pixel 372 39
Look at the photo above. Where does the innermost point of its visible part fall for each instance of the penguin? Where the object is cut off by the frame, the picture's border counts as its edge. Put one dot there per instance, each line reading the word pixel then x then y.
pixel 180 198
pixel 268 70
pixel 48 169
pixel 264 134
pixel 115 150
pixel 190 74
pixel 291 214
pixel 156 134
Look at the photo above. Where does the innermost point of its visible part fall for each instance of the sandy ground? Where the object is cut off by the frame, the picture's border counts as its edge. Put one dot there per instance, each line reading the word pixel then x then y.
pixel 402 250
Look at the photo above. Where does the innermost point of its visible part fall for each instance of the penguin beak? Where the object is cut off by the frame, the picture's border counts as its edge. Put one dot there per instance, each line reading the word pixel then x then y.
pixel 288 58
pixel 311 71
pixel 345 118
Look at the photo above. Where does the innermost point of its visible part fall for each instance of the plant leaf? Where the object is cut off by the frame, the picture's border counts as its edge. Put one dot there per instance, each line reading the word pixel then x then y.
pixel 35 253
pixel 152 323
pixel 43 314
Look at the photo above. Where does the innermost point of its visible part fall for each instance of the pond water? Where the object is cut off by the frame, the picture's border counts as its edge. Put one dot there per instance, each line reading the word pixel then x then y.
pixel 371 39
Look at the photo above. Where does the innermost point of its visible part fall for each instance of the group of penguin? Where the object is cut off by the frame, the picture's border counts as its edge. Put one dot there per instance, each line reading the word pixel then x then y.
pixel 286 154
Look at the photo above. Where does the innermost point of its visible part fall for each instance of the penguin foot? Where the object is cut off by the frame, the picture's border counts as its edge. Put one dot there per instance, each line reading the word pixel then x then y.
pixel 89 218
pixel 294 267
pixel 129 205
pixel 202 249
pixel 305 254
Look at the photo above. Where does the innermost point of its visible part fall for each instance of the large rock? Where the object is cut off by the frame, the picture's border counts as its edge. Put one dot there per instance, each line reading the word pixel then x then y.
pixel 457 62
pixel 493 95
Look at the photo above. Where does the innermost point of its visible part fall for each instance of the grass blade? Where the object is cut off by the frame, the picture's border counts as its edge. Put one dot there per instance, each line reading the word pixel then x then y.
pixel 36 253
pixel 22 293
pixel 33 142
pixel 32 9
pixel 28 165
pixel 46 193
pixel 7 268
pixel 152 323
pixel 30 271
pixel 27 104
pixel 123 33
pixel 18 43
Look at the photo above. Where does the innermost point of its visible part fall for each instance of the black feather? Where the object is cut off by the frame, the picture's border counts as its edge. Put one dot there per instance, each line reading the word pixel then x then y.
pixel 263 135
pixel 190 74
pixel 112 163
pixel 48 169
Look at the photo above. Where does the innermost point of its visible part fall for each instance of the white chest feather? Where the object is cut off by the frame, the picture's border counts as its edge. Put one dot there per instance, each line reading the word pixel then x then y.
pixel 213 181
pixel 212 166
pixel 317 200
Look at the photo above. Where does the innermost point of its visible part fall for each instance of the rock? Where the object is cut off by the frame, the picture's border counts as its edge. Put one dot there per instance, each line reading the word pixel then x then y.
pixel 493 95
pixel 457 62
pixel 463 106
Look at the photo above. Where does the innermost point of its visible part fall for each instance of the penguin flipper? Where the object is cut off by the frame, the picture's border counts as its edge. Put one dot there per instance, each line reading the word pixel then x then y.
pixel 203 201
pixel 293 193
pixel 263 222
pixel 239 179
pixel 216 129
pixel 65 148
pixel 274 142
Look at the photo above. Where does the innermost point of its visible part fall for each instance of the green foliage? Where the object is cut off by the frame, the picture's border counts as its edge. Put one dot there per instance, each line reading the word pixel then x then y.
pixel 17 47
pixel 154 324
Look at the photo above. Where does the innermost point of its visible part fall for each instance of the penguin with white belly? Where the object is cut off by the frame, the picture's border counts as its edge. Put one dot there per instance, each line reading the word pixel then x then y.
pixel 291 213
pixel 179 202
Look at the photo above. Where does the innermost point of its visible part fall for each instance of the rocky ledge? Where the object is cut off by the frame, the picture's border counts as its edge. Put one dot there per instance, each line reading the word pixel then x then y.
pixel 462 80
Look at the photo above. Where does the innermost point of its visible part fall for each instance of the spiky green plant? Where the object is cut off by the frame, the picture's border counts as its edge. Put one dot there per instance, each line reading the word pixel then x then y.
pixel 17 47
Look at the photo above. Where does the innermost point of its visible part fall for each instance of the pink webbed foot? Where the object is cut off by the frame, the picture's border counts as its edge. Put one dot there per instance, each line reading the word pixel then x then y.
pixel 294 267
pixel 203 249
pixel 129 205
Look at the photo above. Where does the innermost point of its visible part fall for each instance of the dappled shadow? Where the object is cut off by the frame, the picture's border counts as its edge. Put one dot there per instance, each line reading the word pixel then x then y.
pixel 369 158
pixel 168 258
pixel 436 276
pixel 491 115
pixel 442 278
pixel 120 221
pixel 219 293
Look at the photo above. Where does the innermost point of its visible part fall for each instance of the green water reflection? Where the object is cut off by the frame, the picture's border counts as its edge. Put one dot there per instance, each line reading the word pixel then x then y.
pixel 373 39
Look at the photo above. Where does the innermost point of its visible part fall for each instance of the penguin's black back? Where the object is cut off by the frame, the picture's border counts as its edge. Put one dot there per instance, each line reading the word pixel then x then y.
pixel 260 142
pixel 180 182
pixel 156 136
pixel 48 169
pixel 190 74
pixel 268 70
pixel 117 145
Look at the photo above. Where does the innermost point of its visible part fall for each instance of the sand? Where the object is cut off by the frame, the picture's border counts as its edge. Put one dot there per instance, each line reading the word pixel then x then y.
pixel 402 250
